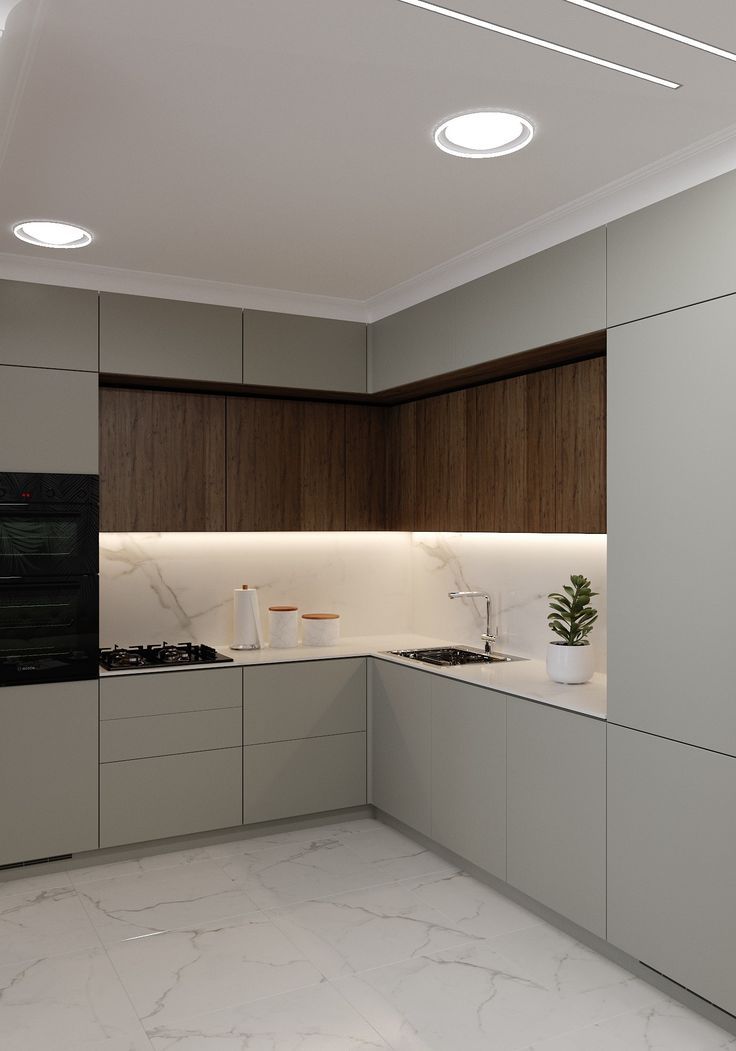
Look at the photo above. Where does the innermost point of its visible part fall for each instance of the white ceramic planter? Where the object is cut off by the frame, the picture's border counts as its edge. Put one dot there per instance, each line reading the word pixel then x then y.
pixel 569 664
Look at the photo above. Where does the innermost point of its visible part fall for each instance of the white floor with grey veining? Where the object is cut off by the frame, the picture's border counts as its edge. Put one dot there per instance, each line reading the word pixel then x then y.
pixel 339 938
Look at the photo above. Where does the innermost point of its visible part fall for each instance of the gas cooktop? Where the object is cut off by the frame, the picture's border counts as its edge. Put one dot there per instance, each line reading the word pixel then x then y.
pixel 126 658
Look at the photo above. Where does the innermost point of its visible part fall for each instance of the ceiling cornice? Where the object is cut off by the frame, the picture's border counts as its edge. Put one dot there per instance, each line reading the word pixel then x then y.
pixel 689 167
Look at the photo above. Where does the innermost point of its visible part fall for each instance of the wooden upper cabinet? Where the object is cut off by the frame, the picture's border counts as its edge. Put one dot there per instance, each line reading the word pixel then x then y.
pixel 162 461
pixel 401 466
pixel 442 496
pixel 365 467
pixel 581 447
pixel 285 465
pixel 511 469
pixel 142 336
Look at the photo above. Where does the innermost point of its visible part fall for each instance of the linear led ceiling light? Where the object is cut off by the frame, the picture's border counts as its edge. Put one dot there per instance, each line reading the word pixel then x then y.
pixel 481 23
pixel 652 28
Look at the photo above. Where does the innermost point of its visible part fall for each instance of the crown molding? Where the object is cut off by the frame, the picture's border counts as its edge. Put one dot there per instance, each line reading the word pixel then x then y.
pixel 679 171
pixel 697 163
pixel 71 274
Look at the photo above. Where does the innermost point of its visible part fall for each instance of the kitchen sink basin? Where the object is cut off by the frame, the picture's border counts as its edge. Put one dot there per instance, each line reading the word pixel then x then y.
pixel 454 656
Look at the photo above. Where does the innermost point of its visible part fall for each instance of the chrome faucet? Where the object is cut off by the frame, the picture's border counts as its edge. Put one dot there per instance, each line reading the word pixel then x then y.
pixel 487 638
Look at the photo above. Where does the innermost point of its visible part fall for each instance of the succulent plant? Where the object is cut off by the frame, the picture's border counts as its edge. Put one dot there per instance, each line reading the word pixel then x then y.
pixel 572 616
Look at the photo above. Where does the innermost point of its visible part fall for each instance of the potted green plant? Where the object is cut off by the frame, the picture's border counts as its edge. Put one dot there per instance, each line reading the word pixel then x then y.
pixel 570 656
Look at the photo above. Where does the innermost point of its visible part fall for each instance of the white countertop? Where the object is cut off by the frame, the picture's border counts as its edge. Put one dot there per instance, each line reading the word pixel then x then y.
pixel 527 679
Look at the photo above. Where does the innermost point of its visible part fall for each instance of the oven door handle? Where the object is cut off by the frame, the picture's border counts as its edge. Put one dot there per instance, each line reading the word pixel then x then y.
pixel 11 578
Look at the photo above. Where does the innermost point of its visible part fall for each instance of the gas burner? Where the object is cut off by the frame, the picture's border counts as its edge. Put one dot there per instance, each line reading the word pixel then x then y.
pixel 121 658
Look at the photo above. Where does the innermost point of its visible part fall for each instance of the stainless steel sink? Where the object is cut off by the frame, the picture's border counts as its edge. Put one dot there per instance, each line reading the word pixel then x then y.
pixel 454 656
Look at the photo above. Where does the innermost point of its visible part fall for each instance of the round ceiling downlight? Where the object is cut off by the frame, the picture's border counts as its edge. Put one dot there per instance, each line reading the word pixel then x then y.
pixel 47 233
pixel 488 133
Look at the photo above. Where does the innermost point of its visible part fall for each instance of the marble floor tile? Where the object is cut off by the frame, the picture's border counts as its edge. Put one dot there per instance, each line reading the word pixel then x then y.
pixel 162 899
pixel 172 976
pixel 136 866
pixel 366 928
pixel 255 844
pixel 284 875
pixel 67 1003
pixel 27 887
pixel 472 906
pixel 39 923
pixel 315 1019
pixel 395 856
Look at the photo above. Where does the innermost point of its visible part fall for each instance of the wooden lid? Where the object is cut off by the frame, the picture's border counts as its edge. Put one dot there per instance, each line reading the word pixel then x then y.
pixel 283 609
pixel 320 616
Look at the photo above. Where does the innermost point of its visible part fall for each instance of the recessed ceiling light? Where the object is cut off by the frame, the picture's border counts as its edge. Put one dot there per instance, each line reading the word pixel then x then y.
pixel 49 234
pixel 652 28
pixel 484 134
pixel 481 23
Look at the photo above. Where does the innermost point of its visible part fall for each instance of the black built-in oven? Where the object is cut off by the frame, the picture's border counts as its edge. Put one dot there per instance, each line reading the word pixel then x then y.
pixel 49 558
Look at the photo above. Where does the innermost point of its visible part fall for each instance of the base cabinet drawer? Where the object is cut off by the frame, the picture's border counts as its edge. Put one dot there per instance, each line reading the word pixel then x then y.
pixel 171 795
pixel 288 778
pixel 157 735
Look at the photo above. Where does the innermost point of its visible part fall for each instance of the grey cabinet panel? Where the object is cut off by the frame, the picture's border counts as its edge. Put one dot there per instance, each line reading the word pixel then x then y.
pixel 48 420
pixel 161 693
pixel 140 336
pixel 401 735
pixel 550 296
pixel 469 773
pixel 170 734
pixel 311 353
pixel 170 796
pixel 288 778
pixel 48 770
pixel 673 253
pixel 307 699
pixel 557 810
pixel 672 505
pixel 48 326
pixel 672 860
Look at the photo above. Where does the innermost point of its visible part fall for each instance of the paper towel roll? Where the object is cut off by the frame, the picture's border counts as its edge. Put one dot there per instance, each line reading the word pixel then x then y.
pixel 247 633
pixel 283 627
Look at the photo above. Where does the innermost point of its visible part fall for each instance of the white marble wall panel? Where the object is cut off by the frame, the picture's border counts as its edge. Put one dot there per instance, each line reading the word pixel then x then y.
pixel 518 570
pixel 179 586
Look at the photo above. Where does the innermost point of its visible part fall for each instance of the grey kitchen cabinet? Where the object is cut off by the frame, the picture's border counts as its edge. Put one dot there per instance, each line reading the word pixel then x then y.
pixel 674 253
pixel 289 778
pixel 170 795
pixel 305 699
pixel 142 336
pixel 165 693
pixel 153 735
pixel 671 555
pixel 400 721
pixel 48 420
pixel 48 770
pixel 556 810
pixel 47 326
pixel 307 353
pixel 468 772
pixel 672 860
pixel 551 296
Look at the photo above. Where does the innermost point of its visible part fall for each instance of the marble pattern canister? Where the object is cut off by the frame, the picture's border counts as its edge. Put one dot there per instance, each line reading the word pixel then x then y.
pixel 320 629
pixel 283 627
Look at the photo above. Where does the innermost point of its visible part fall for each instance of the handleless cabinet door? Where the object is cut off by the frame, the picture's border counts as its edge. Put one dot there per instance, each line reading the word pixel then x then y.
pixel 672 508
pixel 142 336
pixel 306 353
pixel 557 810
pixel 400 717
pixel 48 770
pixel 580 447
pixel 469 772
pixel 672 860
pixel 48 420
pixel 365 466
pixel 442 495
pixel 47 326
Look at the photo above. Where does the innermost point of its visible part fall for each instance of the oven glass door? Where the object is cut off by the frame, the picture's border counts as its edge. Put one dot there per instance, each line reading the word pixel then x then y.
pixel 49 540
pixel 48 630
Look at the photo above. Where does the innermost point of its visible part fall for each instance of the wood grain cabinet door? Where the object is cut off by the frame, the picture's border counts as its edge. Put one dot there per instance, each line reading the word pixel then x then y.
pixel 581 447
pixel 442 497
pixel 365 466
pixel 401 467
pixel 162 461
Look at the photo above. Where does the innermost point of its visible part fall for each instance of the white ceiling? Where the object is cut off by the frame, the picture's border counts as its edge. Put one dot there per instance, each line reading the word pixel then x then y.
pixel 287 144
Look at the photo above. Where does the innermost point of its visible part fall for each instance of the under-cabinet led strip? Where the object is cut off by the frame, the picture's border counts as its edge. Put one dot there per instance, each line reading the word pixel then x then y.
pixel 652 28
pixel 481 23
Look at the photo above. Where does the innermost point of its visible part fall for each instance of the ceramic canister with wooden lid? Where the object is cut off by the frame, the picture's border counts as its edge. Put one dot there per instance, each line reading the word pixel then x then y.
pixel 283 627
pixel 320 629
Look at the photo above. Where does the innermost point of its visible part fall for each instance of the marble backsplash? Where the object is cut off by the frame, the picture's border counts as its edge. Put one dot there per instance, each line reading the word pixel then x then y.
pixel 178 586
pixel 518 570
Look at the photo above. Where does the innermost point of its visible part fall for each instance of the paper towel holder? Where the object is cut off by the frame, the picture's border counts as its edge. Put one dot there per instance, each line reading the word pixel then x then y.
pixel 256 621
